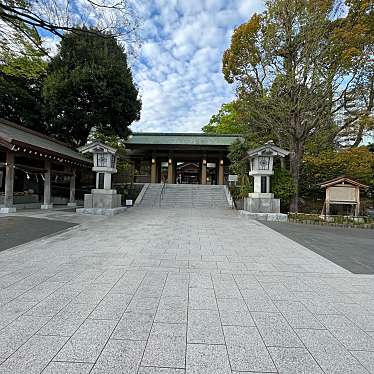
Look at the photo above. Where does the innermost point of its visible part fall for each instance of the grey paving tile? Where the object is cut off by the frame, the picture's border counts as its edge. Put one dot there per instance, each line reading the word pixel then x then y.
pixel 202 298
pixel 134 326
pixel 87 342
pixel 204 327
pixel 365 358
pixel 110 276
pixel 92 294
pixel 18 332
pixel 143 305
pixel 258 301
pixel 119 356
pixel 278 292
pixel 234 312
pixel 200 281
pixel 246 281
pixel 112 306
pixel 166 346
pixel 331 356
pixel 172 310
pixel 176 289
pixel 297 315
pixel 68 320
pixel 40 292
pixel 294 361
pixel 352 337
pixel 275 330
pixel 226 289
pixel 246 349
pixel 33 356
pixel 207 359
pixel 150 370
pixel 67 368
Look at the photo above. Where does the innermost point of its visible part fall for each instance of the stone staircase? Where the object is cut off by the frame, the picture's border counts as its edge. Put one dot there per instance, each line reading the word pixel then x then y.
pixel 185 196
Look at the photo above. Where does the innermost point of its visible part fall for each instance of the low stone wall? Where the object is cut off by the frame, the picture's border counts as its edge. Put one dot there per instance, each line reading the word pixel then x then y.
pixel 324 223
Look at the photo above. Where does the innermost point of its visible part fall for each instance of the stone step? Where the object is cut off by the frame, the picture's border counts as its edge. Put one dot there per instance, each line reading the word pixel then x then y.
pixel 177 195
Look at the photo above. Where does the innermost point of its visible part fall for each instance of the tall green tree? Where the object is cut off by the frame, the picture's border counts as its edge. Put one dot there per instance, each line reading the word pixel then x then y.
pixel 89 86
pixel 293 73
pixel 226 121
pixel 21 75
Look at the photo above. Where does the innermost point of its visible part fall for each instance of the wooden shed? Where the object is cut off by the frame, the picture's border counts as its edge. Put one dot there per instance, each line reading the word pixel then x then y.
pixel 342 191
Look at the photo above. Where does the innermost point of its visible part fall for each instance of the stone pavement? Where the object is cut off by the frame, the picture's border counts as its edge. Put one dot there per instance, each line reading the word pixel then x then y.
pixel 180 292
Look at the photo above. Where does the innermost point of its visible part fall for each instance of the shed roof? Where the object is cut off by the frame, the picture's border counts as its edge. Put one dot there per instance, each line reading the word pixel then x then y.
pixel 193 139
pixel 12 135
pixel 342 179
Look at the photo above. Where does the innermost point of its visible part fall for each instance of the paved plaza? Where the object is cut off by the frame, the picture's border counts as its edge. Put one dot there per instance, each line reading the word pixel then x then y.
pixel 184 291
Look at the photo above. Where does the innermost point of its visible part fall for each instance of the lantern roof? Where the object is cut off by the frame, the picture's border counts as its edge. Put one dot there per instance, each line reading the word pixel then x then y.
pixel 268 149
pixel 97 147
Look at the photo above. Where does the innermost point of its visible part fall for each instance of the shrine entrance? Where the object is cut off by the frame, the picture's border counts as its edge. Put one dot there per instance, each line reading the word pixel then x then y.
pixel 188 173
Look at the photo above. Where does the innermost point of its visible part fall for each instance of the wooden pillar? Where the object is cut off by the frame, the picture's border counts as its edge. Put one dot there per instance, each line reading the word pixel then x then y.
pixel 327 201
pixel 220 172
pixel 170 170
pixel 9 184
pixel 154 170
pixel 357 210
pixel 72 202
pixel 203 171
pixel 47 200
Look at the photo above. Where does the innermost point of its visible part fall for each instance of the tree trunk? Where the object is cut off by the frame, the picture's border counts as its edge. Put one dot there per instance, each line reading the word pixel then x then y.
pixel 296 155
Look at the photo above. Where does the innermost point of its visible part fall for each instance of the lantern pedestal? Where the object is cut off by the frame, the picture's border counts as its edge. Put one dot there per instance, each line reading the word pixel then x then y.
pixel 261 204
pixel 102 202
pixel 270 217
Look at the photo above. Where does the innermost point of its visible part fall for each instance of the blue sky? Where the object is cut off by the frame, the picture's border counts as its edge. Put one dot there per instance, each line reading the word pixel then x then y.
pixel 178 70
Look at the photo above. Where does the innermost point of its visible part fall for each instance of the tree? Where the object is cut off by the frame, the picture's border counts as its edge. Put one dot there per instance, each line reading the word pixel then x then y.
pixel 20 87
pixel 226 121
pixel 89 86
pixel 19 20
pixel 293 74
pixel 357 163
pixel 21 101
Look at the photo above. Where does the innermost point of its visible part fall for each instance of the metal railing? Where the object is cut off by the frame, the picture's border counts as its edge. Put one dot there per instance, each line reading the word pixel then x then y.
pixel 162 192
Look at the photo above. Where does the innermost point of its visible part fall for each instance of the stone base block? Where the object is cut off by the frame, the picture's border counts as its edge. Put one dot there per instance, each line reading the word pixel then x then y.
pixel 102 200
pixel 8 210
pixel 101 211
pixel 72 205
pixel 46 206
pixel 261 205
pixel 278 217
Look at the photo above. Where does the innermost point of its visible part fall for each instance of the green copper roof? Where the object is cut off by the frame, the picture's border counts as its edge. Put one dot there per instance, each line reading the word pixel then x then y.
pixel 197 139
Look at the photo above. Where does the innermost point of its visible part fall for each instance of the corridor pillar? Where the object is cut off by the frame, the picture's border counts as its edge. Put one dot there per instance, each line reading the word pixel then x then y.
pixel 47 200
pixel 9 184
pixel 203 171
pixel 153 171
pixel 170 170
pixel 72 202
pixel 220 173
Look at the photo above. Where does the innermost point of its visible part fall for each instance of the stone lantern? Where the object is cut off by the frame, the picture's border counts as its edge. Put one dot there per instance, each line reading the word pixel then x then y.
pixel 261 162
pixel 102 200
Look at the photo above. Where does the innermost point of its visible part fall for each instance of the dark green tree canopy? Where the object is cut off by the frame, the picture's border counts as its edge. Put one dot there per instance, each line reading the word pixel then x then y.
pixel 89 86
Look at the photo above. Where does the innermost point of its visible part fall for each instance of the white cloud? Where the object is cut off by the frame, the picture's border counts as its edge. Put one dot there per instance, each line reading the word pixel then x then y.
pixel 179 69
